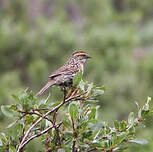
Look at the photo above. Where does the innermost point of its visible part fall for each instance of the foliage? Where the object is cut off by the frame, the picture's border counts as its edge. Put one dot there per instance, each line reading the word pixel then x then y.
pixel 37 37
pixel 79 130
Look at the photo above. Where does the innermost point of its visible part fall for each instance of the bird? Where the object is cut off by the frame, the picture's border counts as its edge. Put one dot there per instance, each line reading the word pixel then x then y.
pixel 64 75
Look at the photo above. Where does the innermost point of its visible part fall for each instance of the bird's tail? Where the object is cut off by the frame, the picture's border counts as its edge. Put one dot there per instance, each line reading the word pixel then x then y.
pixel 49 84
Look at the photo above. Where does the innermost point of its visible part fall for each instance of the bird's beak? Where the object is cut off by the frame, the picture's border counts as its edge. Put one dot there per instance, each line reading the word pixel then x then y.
pixel 88 57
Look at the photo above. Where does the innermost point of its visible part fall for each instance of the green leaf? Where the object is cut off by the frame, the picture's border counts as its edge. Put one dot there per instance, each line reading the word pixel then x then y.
pixel 77 78
pixel 123 125
pixel 83 125
pixel 1 143
pixel 82 85
pixel 26 99
pixel 116 124
pixel 12 149
pixel 139 141
pixel 131 118
pixel 16 131
pixel 15 97
pixel 92 113
pixel 122 136
pixel 105 144
pixel 98 91
pixel 145 108
pixel 139 113
pixel 12 124
pixel 3 136
pixel 66 123
pixel 87 134
pixel 14 107
pixel 61 150
pixel 42 103
pixel 131 130
pixel 29 119
pixel 96 143
pixel 94 124
pixel 145 113
pixel 68 134
pixel 120 148
pixel 6 111
pixel 137 105
pixel 90 86
pixel 73 110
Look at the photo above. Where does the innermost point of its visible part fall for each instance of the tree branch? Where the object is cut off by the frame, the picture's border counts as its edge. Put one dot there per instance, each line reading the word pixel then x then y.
pixel 35 113
pixel 73 146
pixel 24 140
pixel 47 141
pixel 37 135
pixel 93 149
pixel 56 129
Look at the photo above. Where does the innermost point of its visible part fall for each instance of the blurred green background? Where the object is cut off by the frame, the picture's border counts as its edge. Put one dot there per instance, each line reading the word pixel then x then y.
pixel 37 36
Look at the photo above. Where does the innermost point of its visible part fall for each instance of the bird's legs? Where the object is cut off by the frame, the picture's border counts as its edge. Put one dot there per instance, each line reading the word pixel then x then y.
pixel 72 91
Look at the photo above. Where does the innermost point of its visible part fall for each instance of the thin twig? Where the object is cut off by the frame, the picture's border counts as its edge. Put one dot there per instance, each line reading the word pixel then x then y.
pixel 93 149
pixel 35 113
pixel 73 146
pixel 74 134
pixel 73 127
pixel 42 109
pixel 56 129
pixel 47 141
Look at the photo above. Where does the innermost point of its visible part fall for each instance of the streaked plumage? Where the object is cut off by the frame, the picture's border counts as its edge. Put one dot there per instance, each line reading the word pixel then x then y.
pixel 64 75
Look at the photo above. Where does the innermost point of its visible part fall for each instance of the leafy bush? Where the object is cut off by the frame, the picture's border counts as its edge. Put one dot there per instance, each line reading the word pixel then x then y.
pixel 77 129
pixel 117 34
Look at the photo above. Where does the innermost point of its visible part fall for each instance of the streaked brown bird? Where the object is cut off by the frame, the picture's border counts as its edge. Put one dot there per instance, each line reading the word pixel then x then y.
pixel 64 75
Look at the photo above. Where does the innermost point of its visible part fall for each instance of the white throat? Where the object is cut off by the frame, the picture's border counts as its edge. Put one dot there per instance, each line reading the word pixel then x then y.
pixel 81 68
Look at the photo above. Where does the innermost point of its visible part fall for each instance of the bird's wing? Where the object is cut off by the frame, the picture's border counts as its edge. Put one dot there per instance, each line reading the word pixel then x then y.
pixel 63 70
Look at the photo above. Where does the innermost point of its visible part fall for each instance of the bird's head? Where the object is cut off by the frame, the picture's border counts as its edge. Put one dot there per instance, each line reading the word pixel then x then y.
pixel 80 56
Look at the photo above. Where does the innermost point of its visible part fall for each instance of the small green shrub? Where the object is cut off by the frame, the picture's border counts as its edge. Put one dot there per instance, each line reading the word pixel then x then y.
pixel 69 125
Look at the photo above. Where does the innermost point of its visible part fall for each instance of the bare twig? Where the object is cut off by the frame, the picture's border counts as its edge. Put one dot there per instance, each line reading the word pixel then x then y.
pixel 74 134
pixel 93 149
pixel 73 126
pixel 35 113
pixel 47 141
pixel 56 129
pixel 42 109
pixel 73 146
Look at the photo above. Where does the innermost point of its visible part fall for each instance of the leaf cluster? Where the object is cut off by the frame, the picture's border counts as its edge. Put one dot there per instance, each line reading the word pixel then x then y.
pixel 78 130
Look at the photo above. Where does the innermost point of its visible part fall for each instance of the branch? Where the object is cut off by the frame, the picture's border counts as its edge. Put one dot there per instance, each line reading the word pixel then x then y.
pixel 74 134
pixel 73 146
pixel 56 129
pixel 35 124
pixel 37 135
pixel 34 113
pixel 47 142
pixel 22 144
pixel 95 149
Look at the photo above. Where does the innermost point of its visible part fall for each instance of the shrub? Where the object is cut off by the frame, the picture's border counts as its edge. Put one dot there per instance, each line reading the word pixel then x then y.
pixel 72 124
